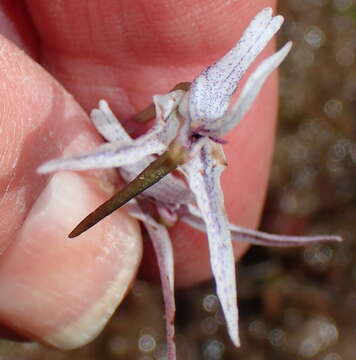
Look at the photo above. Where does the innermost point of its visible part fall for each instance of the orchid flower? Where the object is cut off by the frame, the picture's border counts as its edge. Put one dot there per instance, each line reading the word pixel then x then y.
pixel 189 124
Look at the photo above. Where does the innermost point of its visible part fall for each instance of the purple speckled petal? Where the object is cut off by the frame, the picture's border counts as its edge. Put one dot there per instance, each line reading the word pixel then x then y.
pixel 241 234
pixel 203 175
pixel 249 92
pixel 191 216
pixel 164 252
pixel 211 91
pixel 106 156
pixel 108 125
pixel 116 154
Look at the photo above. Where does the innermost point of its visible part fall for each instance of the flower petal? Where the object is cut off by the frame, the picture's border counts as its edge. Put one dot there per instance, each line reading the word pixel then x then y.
pixel 108 125
pixel 107 156
pixel 241 234
pixel 164 252
pixel 203 174
pixel 211 91
pixel 249 92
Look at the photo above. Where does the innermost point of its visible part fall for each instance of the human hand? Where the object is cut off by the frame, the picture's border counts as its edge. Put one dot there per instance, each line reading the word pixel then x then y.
pixel 59 290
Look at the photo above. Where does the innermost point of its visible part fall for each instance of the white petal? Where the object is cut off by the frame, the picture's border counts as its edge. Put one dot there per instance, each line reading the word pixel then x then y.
pixel 164 252
pixel 211 91
pixel 203 174
pixel 107 156
pixel 250 92
pixel 241 234
pixel 108 125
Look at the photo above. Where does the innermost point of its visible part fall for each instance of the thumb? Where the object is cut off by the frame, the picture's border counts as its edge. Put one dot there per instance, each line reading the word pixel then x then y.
pixel 56 290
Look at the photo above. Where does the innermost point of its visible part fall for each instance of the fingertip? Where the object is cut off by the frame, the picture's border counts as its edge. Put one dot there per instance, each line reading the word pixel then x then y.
pixel 62 291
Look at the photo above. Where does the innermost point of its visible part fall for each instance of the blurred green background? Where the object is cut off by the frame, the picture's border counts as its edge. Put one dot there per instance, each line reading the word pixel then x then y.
pixel 296 303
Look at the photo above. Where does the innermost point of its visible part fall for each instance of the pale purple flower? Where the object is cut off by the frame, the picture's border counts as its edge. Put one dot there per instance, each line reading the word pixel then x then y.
pixel 193 122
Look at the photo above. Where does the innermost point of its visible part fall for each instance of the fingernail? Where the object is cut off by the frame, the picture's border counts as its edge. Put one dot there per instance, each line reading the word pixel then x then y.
pixel 62 291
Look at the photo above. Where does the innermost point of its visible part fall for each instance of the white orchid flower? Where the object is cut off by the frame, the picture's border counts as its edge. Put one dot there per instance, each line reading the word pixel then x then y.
pixel 189 124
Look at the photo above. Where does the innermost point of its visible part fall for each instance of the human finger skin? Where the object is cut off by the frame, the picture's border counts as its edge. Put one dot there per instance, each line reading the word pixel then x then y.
pixel 55 290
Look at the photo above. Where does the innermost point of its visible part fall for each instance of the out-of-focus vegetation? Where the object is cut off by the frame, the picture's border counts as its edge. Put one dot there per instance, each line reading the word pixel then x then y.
pixel 297 303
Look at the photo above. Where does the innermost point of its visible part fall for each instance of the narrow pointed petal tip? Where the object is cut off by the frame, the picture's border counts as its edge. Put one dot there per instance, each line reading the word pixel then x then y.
pixel 250 92
pixel 164 253
pixel 283 51
pixel 107 124
pixel 235 339
pixel 255 237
